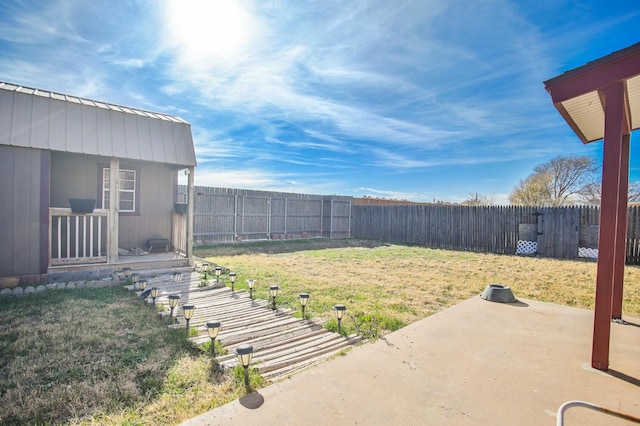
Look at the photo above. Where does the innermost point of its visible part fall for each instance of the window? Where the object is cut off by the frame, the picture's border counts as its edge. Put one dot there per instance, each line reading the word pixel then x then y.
pixel 127 190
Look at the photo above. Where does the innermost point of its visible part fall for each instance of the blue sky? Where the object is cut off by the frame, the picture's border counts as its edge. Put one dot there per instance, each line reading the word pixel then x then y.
pixel 420 100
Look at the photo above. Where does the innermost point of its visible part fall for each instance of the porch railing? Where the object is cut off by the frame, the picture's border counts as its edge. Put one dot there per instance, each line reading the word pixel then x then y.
pixel 179 231
pixel 78 238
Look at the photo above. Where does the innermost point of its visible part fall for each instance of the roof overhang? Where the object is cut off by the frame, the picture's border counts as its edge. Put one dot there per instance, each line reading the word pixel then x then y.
pixel 576 93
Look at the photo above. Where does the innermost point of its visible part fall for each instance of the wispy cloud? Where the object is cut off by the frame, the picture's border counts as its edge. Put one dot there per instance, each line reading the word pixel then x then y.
pixel 335 96
pixel 342 78
pixel 50 21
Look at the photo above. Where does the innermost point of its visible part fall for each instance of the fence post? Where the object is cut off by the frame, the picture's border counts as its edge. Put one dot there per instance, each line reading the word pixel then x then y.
pixel 349 227
pixel 270 204
pixel 235 216
pixel 331 221
pixel 286 206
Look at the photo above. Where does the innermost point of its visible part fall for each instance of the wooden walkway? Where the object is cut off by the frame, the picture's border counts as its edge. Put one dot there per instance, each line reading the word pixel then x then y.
pixel 283 344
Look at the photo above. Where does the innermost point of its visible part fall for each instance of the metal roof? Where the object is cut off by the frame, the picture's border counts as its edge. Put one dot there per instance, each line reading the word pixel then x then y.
pixel 576 94
pixel 34 118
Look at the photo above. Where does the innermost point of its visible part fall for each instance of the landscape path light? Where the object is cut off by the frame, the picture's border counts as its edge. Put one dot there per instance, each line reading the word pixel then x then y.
pixel 154 294
pixel 244 353
pixel 135 277
pixel 304 299
pixel 251 283
pixel 188 310
pixel 142 284
pixel 205 268
pixel 232 277
pixel 274 292
pixel 339 314
pixel 173 302
pixel 127 272
pixel 218 272
pixel 213 328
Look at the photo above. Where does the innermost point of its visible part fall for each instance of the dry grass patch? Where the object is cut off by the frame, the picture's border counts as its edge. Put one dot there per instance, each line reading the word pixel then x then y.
pixel 396 285
pixel 101 357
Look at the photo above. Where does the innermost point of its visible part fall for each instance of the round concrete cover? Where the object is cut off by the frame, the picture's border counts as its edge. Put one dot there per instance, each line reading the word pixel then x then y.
pixel 498 293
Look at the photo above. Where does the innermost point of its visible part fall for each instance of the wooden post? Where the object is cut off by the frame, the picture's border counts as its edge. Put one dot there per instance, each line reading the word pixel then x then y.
pixel 114 208
pixel 190 209
pixel 621 231
pixel 612 168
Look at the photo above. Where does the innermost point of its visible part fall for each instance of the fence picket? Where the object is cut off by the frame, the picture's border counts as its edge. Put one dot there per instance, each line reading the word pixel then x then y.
pixel 485 228
pixel 224 214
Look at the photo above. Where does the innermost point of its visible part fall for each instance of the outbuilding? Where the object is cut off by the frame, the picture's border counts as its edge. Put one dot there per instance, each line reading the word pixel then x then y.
pixel 118 165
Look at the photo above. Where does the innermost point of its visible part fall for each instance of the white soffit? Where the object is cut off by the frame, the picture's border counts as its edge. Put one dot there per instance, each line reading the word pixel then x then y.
pixel 587 113
pixel 633 90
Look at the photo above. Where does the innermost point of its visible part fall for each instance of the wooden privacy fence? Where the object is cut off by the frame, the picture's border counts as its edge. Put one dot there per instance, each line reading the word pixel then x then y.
pixel 633 235
pixel 225 214
pixel 562 232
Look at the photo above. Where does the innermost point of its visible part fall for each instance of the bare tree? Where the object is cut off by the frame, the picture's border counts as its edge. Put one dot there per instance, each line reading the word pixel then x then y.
pixel 532 191
pixel 558 182
pixel 480 200
pixel 634 192
pixel 591 194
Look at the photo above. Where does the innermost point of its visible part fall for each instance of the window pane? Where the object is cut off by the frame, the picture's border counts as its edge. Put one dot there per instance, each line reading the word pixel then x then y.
pixel 125 184
pixel 127 193
pixel 126 206
pixel 105 188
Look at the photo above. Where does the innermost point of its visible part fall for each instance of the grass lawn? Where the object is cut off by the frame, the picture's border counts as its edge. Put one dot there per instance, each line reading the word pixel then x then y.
pixel 396 285
pixel 103 357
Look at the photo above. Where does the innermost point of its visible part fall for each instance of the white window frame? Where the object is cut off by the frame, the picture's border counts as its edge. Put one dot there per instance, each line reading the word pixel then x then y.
pixel 105 189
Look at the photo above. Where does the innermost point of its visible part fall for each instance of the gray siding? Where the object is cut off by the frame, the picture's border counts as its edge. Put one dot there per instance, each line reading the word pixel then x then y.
pixel 53 147
pixel 156 183
pixel 20 227
pixel 74 176
pixel 78 176
pixel 38 119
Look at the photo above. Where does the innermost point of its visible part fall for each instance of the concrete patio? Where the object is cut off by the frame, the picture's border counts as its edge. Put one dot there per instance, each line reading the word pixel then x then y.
pixel 476 363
